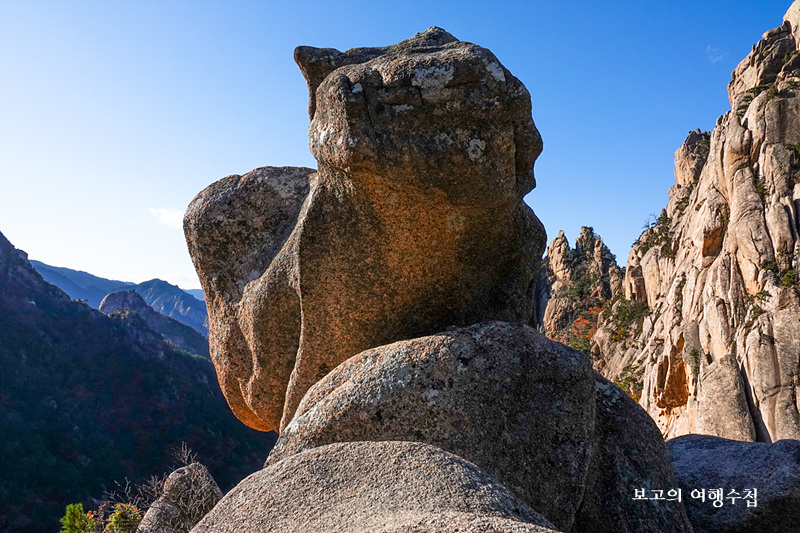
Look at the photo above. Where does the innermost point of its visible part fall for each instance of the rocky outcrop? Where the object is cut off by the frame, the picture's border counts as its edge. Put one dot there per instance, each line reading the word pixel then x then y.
pixel 167 299
pixel 413 222
pixel 189 494
pixel 518 406
pixel 760 483
pixel 377 311
pixel 175 332
pixel 172 301
pixel 574 285
pixel 481 392
pixel 372 486
pixel 714 280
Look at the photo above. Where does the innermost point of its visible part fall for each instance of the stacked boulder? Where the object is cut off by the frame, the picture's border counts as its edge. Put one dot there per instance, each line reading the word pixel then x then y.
pixel 378 312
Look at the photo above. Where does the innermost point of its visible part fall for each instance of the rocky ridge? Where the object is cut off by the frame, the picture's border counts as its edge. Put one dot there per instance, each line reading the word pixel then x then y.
pixel 169 300
pixel 573 287
pixel 177 333
pixel 718 269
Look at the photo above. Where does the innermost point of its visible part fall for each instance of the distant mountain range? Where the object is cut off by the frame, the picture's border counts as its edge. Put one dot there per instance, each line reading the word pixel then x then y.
pixel 88 399
pixel 178 333
pixel 170 300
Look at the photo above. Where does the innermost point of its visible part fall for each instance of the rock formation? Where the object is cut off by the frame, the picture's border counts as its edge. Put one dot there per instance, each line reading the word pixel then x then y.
pixel 716 351
pixel 321 287
pixel 574 285
pixel 518 406
pixel 175 332
pixel 413 222
pixel 372 486
pixel 760 482
pixel 170 300
pixel 189 494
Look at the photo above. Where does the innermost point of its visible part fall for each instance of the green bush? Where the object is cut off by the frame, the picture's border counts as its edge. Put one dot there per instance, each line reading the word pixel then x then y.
pixel 76 521
pixel 695 355
pixel 657 233
pixel 124 519
pixel 626 314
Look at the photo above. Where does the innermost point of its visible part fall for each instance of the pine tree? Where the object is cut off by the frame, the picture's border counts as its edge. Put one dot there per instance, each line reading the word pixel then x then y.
pixel 76 521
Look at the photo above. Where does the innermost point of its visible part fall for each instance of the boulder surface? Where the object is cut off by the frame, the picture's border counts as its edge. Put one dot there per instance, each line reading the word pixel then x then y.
pixel 189 494
pixel 773 470
pixel 499 395
pixel 414 221
pixel 372 486
pixel 517 405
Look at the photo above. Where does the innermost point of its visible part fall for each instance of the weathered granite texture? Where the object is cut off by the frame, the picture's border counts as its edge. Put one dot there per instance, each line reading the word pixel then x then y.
pixel 189 494
pixel 372 486
pixel 499 395
pixel 517 405
pixel 719 269
pixel 414 221
pixel 705 462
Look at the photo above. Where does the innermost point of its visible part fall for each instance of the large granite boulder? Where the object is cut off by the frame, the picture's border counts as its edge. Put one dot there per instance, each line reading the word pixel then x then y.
pixel 414 221
pixel 629 455
pixel 499 395
pixel 528 411
pixel 372 486
pixel 703 462
pixel 189 494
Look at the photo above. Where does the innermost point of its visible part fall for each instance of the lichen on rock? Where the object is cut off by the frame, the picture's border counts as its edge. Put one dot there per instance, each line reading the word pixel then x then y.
pixel 413 222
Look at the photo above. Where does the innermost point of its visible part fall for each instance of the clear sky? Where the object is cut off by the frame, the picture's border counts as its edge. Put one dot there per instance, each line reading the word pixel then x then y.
pixel 114 114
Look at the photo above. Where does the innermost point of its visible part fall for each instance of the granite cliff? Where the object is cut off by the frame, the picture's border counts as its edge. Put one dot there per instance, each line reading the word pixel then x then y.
pixel 716 275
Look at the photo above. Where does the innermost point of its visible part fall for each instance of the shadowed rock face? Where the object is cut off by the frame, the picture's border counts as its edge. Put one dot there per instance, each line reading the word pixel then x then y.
pixel 739 467
pixel 414 221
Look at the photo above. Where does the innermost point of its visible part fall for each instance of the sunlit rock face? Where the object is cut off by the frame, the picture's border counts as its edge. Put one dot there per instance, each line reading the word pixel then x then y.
pixel 719 270
pixel 413 222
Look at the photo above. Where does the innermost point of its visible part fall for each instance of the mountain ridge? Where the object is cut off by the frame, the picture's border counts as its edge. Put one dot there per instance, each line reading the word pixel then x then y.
pixel 89 399
pixel 167 299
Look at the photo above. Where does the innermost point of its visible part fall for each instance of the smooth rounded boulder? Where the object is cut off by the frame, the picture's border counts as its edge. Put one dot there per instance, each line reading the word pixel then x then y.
pixel 500 395
pixel 372 486
pixel 528 411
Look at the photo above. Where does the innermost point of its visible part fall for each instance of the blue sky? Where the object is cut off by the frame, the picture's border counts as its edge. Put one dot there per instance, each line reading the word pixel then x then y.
pixel 114 114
